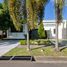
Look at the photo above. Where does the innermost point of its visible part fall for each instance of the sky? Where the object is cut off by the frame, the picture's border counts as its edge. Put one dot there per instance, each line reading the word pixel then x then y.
pixel 49 12
pixel 1 1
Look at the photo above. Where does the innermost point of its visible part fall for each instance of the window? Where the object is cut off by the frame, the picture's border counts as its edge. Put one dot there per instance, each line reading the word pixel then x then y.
pixel 54 31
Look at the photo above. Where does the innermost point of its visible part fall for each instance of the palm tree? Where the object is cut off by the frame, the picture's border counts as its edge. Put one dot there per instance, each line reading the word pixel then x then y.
pixel 31 13
pixel 58 9
pixel 34 12
pixel 13 6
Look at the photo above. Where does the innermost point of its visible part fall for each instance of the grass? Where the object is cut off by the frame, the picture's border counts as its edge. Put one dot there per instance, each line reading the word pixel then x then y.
pixel 64 52
pixel 47 51
pixel 36 52
pixel 18 52
pixel 23 52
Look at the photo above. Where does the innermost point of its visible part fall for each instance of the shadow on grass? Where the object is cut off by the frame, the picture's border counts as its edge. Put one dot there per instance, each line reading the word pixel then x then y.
pixel 40 46
pixel 62 44
pixel 45 45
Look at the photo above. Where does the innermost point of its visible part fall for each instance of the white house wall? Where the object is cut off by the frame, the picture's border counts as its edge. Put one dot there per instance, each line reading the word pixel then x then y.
pixel 51 25
pixel 60 30
pixel 64 34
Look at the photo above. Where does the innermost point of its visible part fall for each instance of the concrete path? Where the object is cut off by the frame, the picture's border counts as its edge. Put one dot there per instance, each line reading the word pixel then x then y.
pixel 7 45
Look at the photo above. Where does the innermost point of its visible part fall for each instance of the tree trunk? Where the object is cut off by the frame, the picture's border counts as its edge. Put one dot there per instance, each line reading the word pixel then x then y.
pixel 2 35
pixel 57 40
pixel 28 46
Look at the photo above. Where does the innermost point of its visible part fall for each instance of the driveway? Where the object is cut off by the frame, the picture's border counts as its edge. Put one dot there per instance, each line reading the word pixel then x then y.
pixel 7 45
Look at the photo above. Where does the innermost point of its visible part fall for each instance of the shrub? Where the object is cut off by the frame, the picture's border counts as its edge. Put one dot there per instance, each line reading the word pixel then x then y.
pixel 41 32
pixel 33 42
pixel 36 42
pixel 43 42
pixel 22 42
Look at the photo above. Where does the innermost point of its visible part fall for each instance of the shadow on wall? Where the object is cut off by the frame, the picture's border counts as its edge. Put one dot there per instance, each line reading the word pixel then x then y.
pixel 64 34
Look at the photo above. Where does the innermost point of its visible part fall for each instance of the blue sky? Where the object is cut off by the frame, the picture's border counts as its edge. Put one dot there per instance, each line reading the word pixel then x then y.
pixel 49 12
pixel 1 0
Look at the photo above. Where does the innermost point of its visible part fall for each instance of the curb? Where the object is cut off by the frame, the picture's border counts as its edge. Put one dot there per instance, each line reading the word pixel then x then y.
pixel 50 62
pixel 50 59
pixel 52 56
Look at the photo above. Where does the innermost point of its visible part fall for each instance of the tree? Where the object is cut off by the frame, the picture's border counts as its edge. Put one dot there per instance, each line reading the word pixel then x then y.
pixel 4 19
pixel 1 6
pixel 35 13
pixel 31 13
pixel 58 8
pixel 14 6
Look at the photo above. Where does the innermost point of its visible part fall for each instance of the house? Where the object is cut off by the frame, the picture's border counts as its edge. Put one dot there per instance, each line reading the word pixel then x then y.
pixel 49 26
pixel 12 34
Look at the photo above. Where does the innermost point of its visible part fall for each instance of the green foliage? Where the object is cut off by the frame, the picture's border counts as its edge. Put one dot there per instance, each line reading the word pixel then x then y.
pixel 36 42
pixel 14 10
pixel 5 5
pixel 4 19
pixel 22 42
pixel 30 13
pixel 41 32
pixel 1 6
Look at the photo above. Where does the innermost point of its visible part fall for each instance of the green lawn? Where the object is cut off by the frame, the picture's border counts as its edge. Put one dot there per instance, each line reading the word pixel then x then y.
pixel 23 52
pixel 47 51
pixel 18 52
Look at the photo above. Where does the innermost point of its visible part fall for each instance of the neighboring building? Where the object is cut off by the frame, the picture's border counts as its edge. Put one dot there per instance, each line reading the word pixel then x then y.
pixel 12 34
pixel 49 26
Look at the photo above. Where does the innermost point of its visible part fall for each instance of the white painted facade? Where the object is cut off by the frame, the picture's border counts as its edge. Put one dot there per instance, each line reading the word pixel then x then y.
pixel 49 26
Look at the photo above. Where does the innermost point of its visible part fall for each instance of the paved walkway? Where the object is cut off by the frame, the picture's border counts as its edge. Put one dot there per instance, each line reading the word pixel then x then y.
pixel 7 45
